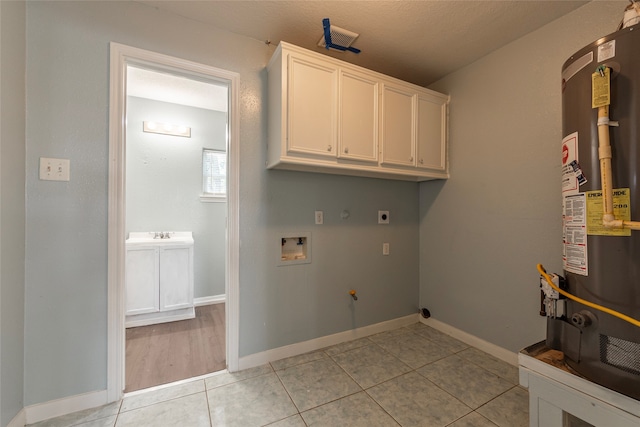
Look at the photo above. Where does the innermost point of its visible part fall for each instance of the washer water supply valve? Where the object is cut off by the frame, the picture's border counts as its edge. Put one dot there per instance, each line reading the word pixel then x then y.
pixel 554 305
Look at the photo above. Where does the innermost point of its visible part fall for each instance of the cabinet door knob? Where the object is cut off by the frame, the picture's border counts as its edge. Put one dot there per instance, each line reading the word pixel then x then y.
pixel 421 161
pixel 329 148
pixel 411 159
pixel 346 150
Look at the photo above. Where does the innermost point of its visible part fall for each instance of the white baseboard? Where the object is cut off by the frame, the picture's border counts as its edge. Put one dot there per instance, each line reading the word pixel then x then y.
pixel 263 357
pixel 214 299
pixel 159 317
pixel 494 350
pixel 20 420
pixel 64 406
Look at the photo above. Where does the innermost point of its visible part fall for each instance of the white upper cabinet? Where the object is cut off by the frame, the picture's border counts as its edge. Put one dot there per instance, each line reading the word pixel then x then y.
pixel 431 135
pixel 398 126
pixel 313 104
pixel 329 116
pixel 358 115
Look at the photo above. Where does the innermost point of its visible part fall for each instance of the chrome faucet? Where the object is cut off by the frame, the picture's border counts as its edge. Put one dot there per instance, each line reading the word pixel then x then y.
pixel 162 235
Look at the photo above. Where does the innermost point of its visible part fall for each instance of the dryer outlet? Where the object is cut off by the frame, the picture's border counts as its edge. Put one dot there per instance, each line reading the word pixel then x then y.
pixel 383 217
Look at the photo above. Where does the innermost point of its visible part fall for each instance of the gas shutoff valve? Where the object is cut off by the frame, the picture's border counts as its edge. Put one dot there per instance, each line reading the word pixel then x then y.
pixel 554 303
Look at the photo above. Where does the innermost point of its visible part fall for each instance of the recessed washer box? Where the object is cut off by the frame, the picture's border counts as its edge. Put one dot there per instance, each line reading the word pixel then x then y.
pixel 295 248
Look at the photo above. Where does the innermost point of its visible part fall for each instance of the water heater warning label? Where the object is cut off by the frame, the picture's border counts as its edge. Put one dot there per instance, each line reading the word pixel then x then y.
pixel 600 87
pixel 621 210
pixel 571 172
pixel 574 234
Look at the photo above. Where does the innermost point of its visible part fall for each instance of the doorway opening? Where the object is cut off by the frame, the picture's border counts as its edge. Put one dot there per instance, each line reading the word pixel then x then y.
pixel 173 220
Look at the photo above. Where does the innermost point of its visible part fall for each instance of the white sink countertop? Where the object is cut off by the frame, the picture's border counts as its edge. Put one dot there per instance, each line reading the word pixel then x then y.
pixel 154 238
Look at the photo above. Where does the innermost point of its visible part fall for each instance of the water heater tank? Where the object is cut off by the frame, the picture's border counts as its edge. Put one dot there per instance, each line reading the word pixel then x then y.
pixel 601 265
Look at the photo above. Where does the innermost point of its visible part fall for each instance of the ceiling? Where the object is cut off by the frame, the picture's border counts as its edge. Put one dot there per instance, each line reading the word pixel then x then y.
pixel 168 87
pixel 416 41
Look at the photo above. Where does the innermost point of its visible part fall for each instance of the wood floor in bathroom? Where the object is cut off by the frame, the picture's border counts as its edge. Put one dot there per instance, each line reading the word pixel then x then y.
pixel 167 352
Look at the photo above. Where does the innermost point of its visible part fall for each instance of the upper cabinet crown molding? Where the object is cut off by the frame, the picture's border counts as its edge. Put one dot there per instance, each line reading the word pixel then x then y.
pixel 329 116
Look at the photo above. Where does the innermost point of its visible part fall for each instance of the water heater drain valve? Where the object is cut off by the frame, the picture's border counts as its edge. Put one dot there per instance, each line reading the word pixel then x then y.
pixel 555 304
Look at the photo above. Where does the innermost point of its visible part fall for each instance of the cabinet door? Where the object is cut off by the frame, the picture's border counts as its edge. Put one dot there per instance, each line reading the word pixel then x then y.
pixel 358 121
pixel 431 137
pixel 141 281
pixel 176 281
pixel 312 107
pixel 398 126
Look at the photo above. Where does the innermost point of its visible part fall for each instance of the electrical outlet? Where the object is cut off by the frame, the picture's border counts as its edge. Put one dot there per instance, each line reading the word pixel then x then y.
pixel 319 218
pixel 385 249
pixel 54 169
pixel 383 217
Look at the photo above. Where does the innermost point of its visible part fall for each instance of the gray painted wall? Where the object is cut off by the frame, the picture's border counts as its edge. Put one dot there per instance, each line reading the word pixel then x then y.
pixel 164 183
pixel 483 231
pixel 480 235
pixel 66 283
pixel 295 303
pixel 12 210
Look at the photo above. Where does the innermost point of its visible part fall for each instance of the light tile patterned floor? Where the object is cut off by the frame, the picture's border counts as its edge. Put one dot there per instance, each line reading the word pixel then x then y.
pixel 412 376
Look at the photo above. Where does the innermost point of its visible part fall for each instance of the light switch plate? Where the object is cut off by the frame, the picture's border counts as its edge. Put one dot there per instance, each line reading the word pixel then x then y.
pixel 319 217
pixel 54 169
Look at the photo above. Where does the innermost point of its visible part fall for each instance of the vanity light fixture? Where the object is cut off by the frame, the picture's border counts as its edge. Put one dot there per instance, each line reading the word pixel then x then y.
pixel 166 129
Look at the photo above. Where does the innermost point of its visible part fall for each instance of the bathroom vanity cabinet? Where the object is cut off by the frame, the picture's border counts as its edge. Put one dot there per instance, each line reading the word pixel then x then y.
pixel 326 115
pixel 159 278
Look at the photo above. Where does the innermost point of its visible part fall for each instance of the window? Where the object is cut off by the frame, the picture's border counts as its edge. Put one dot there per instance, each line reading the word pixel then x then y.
pixel 214 175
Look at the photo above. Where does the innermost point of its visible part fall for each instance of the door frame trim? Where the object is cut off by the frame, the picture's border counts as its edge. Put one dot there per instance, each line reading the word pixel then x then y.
pixel 120 57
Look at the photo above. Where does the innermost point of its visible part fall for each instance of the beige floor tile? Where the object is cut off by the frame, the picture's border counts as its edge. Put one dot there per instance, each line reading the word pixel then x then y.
pixel 346 346
pixel 187 411
pixel 469 383
pixel 357 410
pixel 316 383
pixel 412 400
pixel 293 421
pixel 473 420
pixel 371 365
pixel 82 417
pixel 232 377
pixel 414 350
pixel 298 360
pixel 253 402
pixel 510 409
pixel 162 395
pixel 501 368
pixel 442 339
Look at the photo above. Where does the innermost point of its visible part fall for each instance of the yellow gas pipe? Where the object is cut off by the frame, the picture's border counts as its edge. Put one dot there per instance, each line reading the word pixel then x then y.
pixel 599 307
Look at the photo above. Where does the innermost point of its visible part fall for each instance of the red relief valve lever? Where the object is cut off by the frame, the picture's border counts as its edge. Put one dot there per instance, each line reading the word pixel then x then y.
pixel 352 292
